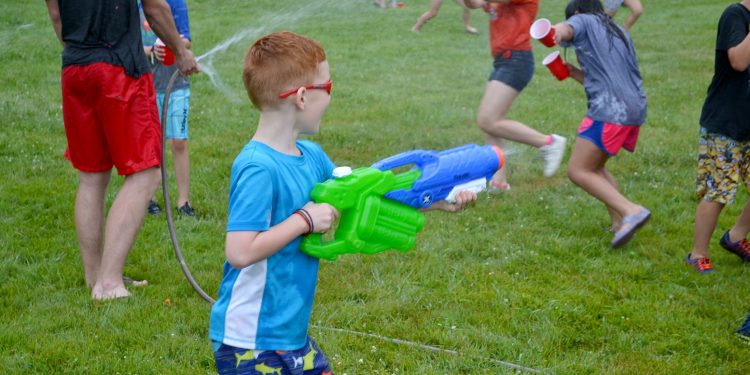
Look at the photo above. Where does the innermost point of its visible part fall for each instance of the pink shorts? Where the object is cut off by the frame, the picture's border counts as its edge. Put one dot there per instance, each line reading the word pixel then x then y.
pixel 609 137
pixel 110 119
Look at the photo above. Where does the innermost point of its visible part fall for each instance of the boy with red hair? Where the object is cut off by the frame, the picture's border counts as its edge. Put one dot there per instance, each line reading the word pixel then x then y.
pixel 259 322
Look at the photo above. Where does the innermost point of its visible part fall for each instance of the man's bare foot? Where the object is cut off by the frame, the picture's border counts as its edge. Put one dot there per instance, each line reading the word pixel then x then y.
pixel 112 291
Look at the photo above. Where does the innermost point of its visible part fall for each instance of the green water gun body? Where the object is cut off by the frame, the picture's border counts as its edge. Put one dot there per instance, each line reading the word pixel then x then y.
pixel 369 223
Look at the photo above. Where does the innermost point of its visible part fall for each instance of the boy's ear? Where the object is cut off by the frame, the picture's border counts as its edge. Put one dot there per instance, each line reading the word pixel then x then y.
pixel 299 98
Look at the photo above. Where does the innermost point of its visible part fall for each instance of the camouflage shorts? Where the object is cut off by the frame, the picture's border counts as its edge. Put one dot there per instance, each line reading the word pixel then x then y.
pixel 309 360
pixel 722 164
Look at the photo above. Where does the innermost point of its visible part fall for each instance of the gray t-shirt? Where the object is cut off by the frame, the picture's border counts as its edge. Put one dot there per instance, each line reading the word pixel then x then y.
pixel 163 73
pixel 612 80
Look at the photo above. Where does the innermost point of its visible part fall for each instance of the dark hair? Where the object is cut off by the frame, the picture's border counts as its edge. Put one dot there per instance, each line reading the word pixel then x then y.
pixel 595 7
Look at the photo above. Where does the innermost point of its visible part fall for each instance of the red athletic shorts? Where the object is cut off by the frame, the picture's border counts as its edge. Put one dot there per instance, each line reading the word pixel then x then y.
pixel 110 119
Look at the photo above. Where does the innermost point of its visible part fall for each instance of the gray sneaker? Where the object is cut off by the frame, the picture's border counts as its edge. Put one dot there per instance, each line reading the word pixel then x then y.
pixel 186 210
pixel 153 208
pixel 552 155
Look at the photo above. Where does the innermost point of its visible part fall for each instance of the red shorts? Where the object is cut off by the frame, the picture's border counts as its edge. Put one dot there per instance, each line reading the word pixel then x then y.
pixel 110 119
pixel 609 137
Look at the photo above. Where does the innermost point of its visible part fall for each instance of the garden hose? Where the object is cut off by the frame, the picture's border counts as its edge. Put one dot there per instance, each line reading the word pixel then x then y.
pixel 165 191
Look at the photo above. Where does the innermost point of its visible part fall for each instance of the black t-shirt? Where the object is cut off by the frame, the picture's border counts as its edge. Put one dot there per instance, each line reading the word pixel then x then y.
pixel 727 107
pixel 106 31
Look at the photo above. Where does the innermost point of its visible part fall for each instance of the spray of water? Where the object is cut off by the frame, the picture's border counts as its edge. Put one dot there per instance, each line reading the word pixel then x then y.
pixel 284 18
pixel 510 150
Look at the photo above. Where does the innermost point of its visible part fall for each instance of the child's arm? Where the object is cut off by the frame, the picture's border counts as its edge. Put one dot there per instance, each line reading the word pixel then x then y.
pixel 244 248
pixel 636 10
pixel 575 72
pixel 563 32
pixel 463 199
pixel 739 55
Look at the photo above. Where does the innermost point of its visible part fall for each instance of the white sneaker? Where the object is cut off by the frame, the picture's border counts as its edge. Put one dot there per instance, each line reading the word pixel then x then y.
pixel 552 154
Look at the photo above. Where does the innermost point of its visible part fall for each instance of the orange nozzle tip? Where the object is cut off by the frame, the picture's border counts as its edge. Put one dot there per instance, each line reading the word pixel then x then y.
pixel 500 157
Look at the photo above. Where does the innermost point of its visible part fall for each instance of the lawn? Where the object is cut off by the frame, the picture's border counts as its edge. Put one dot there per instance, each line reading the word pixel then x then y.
pixel 525 278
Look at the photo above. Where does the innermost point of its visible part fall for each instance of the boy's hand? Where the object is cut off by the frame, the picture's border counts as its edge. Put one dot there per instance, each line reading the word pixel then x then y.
pixel 322 214
pixel 463 199
pixel 159 52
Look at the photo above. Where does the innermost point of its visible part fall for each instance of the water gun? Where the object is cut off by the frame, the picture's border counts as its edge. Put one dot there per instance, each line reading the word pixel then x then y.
pixel 368 222
pixel 443 174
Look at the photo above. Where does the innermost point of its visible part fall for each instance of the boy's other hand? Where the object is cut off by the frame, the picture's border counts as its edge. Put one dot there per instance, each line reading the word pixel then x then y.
pixel 323 216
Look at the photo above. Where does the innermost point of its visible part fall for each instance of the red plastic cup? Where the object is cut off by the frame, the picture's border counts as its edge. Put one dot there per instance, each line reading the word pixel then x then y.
pixel 556 65
pixel 543 31
pixel 168 54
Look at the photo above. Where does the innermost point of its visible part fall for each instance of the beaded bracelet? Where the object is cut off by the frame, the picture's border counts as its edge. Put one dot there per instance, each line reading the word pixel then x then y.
pixel 307 218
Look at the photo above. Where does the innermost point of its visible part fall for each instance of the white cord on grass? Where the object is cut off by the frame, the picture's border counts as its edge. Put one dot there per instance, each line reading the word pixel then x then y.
pixel 425 346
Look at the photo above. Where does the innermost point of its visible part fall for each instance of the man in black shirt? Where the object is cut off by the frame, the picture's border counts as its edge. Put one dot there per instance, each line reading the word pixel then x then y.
pixel 111 119
pixel 724 147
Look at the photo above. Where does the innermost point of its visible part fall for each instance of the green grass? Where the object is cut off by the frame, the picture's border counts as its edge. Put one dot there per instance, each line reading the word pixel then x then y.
pixel 525 277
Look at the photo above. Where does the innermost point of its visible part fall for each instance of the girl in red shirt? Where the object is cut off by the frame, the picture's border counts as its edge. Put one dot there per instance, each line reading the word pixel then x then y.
pixel 510 43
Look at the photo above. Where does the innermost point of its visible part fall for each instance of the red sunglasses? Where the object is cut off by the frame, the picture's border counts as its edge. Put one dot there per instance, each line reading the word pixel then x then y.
pixel 316 86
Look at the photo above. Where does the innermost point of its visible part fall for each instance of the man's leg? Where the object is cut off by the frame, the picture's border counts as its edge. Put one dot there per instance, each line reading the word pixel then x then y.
pixel 181 161
pixel 123 222
pixel 89 217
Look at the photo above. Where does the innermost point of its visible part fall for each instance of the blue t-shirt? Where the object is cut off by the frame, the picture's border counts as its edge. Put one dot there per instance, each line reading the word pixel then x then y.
pixel 267 305
pixel 612 79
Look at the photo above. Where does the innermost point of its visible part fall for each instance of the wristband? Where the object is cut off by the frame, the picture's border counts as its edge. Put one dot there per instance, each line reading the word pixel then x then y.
pixel 306 219
pixel 309 219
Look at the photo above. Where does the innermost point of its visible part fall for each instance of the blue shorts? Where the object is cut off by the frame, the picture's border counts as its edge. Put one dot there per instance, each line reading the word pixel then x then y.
pixel 513 68
pixel 177 119
pixel 306 361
